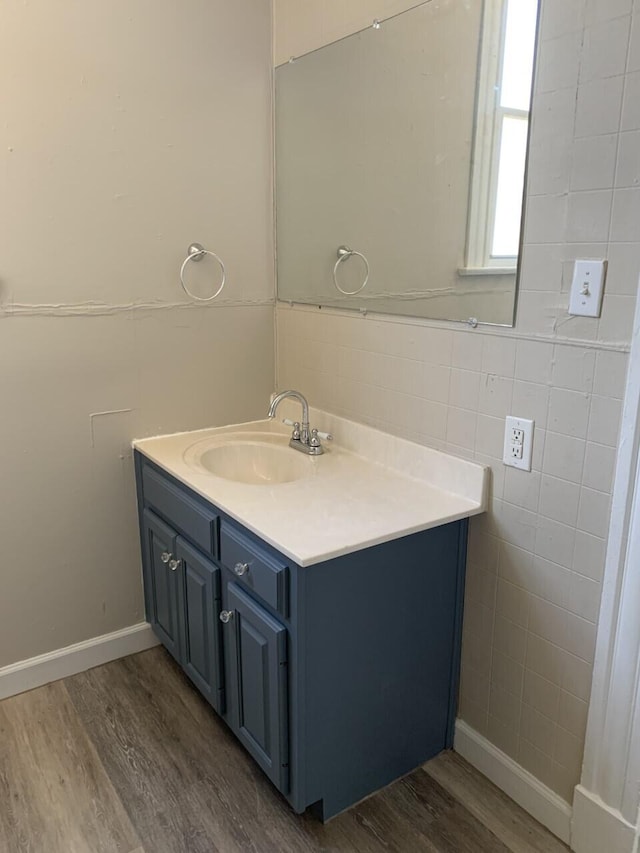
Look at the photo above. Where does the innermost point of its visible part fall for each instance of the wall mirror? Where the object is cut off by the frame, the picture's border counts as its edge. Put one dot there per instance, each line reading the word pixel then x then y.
pixel 400 163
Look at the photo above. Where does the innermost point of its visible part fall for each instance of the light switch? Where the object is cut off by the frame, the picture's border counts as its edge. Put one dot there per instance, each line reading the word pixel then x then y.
pixel 587 287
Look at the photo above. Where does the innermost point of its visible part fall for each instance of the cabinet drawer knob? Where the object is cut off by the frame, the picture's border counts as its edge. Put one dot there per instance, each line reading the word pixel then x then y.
pixel 173 564
pixel 241 569
pixel 165 556
pixel 226 616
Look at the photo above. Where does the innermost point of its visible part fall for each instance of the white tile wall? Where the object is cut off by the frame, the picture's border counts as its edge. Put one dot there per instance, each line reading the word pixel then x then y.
pixel 536 558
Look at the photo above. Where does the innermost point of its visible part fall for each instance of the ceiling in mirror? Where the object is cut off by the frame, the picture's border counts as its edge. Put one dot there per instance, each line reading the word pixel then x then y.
pixel 400 163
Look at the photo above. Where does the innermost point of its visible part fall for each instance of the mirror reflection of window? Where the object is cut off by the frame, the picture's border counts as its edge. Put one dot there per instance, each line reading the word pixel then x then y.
pixel 502 129
pixel 379 137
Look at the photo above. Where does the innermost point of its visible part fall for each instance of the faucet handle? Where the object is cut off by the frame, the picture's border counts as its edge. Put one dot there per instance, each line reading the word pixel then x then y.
pixel 295 435
pixel 314 441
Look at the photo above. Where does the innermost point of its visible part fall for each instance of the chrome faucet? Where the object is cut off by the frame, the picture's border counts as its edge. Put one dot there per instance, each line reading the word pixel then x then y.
pixel 302 438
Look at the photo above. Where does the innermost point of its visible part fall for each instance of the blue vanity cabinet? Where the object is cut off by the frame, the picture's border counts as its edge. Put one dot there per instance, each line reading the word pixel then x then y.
pixel 199 607
pixel 162 582
pixel 337 678
pixel 256 667
pixel 182 591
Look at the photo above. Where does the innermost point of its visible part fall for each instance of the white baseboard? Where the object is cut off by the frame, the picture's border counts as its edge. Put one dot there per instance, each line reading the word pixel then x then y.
pixel 540 801
pixel 34 672
pixel 596 827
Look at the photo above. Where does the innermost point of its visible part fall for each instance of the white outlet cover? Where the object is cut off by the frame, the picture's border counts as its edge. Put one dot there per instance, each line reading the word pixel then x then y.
pixel 523 461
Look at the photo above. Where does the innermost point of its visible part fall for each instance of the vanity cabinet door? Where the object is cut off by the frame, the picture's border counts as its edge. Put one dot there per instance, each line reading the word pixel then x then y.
pixel 200 604
pixel 163 576
pixel 256 655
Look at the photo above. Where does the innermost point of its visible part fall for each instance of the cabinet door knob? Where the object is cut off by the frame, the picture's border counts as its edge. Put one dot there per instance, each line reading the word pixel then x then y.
pixel 226 616
pixel 165 556
pixel 173 564
pixel 241 569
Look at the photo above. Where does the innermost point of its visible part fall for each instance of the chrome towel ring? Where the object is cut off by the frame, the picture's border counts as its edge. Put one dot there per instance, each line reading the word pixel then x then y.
pixel 344 252
pixel 197 253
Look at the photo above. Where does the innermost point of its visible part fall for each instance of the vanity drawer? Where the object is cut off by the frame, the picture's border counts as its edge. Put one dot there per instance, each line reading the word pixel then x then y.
pixel 198 523
pixel 254 568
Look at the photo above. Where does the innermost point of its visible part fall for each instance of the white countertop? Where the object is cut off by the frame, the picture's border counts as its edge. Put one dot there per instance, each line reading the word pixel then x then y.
pixel 389 488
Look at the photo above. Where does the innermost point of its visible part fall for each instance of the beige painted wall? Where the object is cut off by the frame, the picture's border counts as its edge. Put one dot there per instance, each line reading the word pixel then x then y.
pixel 536 559
pixel 129 129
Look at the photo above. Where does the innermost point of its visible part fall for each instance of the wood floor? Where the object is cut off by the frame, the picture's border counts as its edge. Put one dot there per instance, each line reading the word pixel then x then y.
pixel 128 758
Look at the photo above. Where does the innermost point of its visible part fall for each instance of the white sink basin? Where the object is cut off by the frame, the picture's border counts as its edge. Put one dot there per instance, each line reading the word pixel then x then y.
pixel 368 487
pixel 254 459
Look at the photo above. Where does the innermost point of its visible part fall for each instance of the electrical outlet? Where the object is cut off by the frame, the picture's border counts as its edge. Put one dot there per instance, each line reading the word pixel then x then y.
pixel 518 443
pixel 517 436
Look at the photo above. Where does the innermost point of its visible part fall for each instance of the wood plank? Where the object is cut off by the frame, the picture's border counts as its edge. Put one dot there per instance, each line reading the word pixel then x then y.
pixel 491 807
pixel 129 757
pixel 55 794
pixel 180 772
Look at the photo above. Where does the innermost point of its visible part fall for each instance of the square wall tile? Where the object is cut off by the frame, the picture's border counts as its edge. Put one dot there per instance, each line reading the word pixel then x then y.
pixel 499 356
pixel 574 368
pixel 489 436
pixel 561 18
pixel 628 167
pixel 604 52
pixel 503 737
pixel 546 218
pixel 559 501
pixel 507 674
pixel 505 707
pixel 599 466
pixel 631 103
pixel 564 456
pixel 461 428
pixel 512 603
pixel 534 361
pixel 559 62
pixel 589 555
pixel 515 564
pixel 611 374
pixel 576 677
pixel 625 220
pixel 623 272
pixel 616 322
pixel 541 695
pixel 594 162
pixel 530 400
pixel 569 752
pixel 588 216
pixel 584 597
pixel 593 513
pixel 467 350
pixel 573 714
pixel 510 639
pixel 549 581
pixel 568 412
pixel 464 389
pixel 633 63
pixel 522 488
pixel 545 659
pixel 599 106
pixel 538 730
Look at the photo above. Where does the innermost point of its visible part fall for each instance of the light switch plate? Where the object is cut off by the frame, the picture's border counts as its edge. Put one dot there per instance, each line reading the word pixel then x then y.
pixel 587 287
pixel 518 443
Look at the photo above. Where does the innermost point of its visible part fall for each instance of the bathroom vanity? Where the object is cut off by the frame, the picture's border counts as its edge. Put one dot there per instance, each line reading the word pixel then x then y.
pixel 316 607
